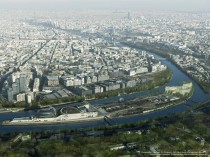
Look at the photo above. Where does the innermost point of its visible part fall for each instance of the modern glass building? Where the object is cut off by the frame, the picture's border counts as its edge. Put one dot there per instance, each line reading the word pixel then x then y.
pixel 47 113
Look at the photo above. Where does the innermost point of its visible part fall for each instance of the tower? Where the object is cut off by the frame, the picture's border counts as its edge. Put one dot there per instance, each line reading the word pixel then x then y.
pixel 36 85
pixel 10 94
pixel 15 88
pixel 23 86
pixel 129 16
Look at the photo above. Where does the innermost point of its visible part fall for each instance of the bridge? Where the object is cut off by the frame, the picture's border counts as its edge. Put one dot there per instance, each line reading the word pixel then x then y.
pixel 108 120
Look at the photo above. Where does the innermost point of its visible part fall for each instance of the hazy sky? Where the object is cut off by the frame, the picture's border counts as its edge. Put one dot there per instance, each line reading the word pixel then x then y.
pixel 166 5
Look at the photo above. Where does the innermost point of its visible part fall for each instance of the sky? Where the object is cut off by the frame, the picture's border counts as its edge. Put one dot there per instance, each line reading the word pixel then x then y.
pixel 156 5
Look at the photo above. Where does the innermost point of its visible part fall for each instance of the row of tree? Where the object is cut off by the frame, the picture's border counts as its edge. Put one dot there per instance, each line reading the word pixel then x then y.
pixel 158 80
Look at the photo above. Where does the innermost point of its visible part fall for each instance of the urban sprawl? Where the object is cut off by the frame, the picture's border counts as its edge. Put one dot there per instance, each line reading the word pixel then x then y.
pixel 51 57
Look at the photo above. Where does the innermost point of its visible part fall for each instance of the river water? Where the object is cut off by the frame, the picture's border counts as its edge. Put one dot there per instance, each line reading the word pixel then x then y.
pixel 178 77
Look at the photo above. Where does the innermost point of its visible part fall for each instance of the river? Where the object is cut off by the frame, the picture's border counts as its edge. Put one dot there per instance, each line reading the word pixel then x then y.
pixel 178 77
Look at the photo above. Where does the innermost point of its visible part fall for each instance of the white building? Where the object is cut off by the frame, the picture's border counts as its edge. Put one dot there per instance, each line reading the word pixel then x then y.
pixel 21 97
pixel 36 85
pixel 28 99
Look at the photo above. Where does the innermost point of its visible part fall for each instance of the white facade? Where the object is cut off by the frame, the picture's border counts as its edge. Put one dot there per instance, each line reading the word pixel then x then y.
pixel 61 118
pixel 77 116
pixel 28 99
pixel 132 72
pixel 77 82
pixel 141 70
pixel 21 97
pixel 69 82
pixel 36 85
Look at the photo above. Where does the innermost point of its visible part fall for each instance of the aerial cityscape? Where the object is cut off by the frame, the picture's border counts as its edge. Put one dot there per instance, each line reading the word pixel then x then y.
pixel 118 81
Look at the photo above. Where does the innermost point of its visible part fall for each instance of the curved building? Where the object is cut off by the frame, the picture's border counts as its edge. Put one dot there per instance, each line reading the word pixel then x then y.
pixel 69 110
pixel 47 113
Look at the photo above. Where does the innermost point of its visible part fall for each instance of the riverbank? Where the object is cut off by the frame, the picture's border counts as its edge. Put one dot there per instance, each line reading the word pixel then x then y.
pixel 168 132
pixel 7 110
pixel 170 104
pixel 37 122
pixel 164 54
pixel 178 76
pixel 158 80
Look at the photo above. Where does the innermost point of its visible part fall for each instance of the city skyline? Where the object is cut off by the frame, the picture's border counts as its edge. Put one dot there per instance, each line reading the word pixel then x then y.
pixel 159 5
pixel 105 78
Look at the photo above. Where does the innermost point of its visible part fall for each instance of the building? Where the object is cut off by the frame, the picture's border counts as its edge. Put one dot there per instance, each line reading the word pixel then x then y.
pixel 158 67
pixel 10 94
pixel 15 76
pixel 47 113
pixel 94 79
pixel 69 82
pixel 131 83
pixel 141 70
pixel 122 85
pixel 102 78
pixel 77 82
pixel 129 16
pixel 21 97
pixel 78 113
pixel 113 86
pixel 31 94
pixel 15 88
pixel 104 87
pixel 28 99
pixel 88 80
pixel 183 89
pixel 36 85
pixel 82 79
pixel 82 91
pixel 96 89
pixel 23 83
pixel 52 81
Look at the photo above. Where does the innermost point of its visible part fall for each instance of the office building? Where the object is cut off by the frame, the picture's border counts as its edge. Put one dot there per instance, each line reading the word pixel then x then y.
pixel 23 83
pixel 10 94
pixel 36 85
pixel 21 97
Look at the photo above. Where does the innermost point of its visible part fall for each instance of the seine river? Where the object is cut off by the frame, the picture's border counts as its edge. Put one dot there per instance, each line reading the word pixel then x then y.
pixel 178 78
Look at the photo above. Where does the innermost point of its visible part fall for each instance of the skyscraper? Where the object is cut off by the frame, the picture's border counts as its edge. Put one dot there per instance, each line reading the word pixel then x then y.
pixel 129 16
pixel 23 86
pixel 21 97
pixel 28 99
pixel 15 88
pixel 36 85
pixel 10 94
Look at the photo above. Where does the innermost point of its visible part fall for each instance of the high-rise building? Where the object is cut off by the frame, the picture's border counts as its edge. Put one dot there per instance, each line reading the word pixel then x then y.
pixel 15 88
pixel 28 99
pixel 52 81
pixel 10 94
pixel 21 97
pixel 31 94
pixel 15 76
pixel 36 85
pixel 23 83
pixel 129 16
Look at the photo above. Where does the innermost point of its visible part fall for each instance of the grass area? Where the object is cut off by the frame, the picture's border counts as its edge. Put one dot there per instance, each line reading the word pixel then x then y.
pixel 157 80
pixel 163 51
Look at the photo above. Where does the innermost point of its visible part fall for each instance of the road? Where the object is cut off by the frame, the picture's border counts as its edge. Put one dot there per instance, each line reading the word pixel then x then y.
pixel 5 76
